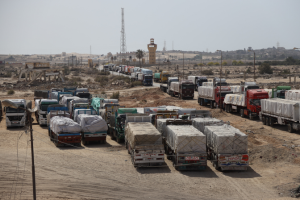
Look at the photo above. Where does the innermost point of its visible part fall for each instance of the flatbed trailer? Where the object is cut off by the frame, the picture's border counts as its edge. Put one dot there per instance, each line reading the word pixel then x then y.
pixel 184 160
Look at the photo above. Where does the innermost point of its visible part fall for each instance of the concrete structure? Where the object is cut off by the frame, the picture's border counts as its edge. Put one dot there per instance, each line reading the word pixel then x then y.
pixel 152 51
pixel 63 54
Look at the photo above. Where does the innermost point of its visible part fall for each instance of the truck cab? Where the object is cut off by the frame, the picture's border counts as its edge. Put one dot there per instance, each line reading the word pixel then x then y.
pixel 148 80
pixel 186 89
pixel 164 77
pixel 42 106
pixel 157 77
pixel 224 90
pixel 279 92
pixel 253 98
pixel 16 117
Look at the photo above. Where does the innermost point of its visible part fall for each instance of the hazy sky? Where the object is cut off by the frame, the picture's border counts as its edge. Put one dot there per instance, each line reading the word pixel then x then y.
pixel 55 26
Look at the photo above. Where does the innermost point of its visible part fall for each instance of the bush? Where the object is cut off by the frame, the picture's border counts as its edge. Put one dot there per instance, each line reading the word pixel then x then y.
pixel 101 79
pixel 224 63
pixel 217 64
pixel 136 83
pixel 10 92
pixel 265 68
pixel 102 72
pixel 207 72
pixel 115 95
pixel 248 70
pixel 210 64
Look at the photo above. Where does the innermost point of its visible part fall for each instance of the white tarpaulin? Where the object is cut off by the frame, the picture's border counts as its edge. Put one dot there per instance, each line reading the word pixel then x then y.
pixel 292 94
pixel 185 138
pixel 200 123
pixel 226 139
pixel 269 91
pixel 84 111
pixel 143 135
pixel 80 100
pixel 161 125
pixel 235 88
pixel 53 95
pixel 65 100
pixel 174 86
pixel 136 118
pixel 208 84
pixel 173 108
pixel 60 124
pixel 206 92
pixel 91 123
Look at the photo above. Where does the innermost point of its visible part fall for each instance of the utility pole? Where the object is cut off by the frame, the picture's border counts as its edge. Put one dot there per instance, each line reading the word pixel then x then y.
pixel 253 63
pixel 183 67
pixel 32 155
pixel 220 83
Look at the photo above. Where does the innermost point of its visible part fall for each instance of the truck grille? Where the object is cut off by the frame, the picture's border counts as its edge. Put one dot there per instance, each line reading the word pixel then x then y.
pixel 14 118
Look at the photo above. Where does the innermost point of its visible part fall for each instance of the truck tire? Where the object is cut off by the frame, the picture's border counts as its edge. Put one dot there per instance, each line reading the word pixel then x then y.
pixel 250 115
pixel 118 139
pixel 211 104
pixel 271 122
pixel 242 113
pixel 290 128
pixel 215 163
pixel 263 119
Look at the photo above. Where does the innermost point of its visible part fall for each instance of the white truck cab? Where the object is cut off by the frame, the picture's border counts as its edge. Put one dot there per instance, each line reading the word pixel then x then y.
pixel 42 106
pixel 16 117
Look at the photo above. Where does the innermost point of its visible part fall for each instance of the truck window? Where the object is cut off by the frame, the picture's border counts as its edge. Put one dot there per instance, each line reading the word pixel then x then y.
pixel 13 110
pixel 255 102
pixel 44 107
pixel 187 87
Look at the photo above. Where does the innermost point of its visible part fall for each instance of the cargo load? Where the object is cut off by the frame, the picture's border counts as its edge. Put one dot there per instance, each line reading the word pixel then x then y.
pixel 84 111
pixel 235 88
pixel 226 139
pixel 200 123
pixel 292 95
pixel 207 84
pixel 184 139
pixel 60 124
pixel 74 101
pixel 161 125
pixel 91 123
pixel 138 118
pixel 143 135
pixel 206 91
pixel 174 86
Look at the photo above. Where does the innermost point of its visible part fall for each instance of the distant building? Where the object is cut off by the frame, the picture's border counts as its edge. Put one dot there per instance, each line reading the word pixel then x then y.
pixel 63 54
pixel 152 51
pixel 72 60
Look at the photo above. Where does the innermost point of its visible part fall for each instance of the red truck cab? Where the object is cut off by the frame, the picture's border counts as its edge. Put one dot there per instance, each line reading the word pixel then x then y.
pixel 252 101
pixel 224 90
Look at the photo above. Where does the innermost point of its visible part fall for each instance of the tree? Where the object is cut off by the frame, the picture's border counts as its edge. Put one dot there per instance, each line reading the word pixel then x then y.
pixel 140 54
pixel 234 62
pixel 224 63
pixel 265 68
pixel 240 63
pixel 210 64
pixel 217 64
pixel 201 64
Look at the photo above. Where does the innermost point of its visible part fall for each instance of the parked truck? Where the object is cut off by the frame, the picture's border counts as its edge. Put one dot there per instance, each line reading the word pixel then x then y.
pixel 93 128
pixel 282 112
pixel 227 147
pixel 70 89
pixel 183 89
pixel 211 94
pixel 247 103
pixel 197 80
pixel 164 75
pixel 17 116
pixel 156 77
pixel 41 109
pixel 146 79
pixel 116 126
pixel 185 145
pixel 165 87
pixel 144 144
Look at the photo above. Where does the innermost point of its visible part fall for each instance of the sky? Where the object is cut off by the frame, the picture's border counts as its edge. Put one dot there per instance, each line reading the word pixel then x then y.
pixel 52 27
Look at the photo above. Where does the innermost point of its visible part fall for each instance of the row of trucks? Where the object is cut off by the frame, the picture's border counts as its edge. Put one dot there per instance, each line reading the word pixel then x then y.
pixel 162 77
pixel 145 76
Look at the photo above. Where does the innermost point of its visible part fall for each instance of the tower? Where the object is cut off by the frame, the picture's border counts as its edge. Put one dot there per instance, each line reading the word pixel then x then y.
pixel 123 47
pixel 165 46
pixel 277 45
pixel 152 51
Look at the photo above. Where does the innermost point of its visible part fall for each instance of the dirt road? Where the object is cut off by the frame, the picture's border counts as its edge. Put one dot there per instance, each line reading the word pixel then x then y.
pixel 104 171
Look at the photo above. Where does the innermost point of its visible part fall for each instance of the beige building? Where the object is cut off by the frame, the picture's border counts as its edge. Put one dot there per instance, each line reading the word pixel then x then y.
pixel 152 51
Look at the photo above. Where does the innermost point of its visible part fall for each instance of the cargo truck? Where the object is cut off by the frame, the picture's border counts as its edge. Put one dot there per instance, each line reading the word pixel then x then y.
pixel 70 89
pixel 227 147
pixel 116 126
pixel 144 144
pixel 165 87
pixel 197 80
pixel 59 95
pixel 157 77
pixel 211 94
pixel 164 75
pixel 247 103
pixel 282 112
pixel 17 117
pixel 183 89
pixel 185 145
pixel 146 79
pixel 41 109
pixel 292 95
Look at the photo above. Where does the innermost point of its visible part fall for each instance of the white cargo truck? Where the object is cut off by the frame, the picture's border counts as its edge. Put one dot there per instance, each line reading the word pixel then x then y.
pixel 41 109
pixel 17 117
pixel 281 111
pixel 227 147
pixel 144 144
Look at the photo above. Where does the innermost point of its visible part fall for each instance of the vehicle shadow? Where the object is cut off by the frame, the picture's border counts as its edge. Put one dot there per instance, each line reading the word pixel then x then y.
pixel 249 173
pixel 153 170
pixel 97 145
pixel 206 173
pixel 16 128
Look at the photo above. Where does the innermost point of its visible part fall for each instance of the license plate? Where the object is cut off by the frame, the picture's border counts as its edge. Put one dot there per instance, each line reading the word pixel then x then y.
pixel 191 158
pixel 233 158
pixel 15 122
pixel 234 107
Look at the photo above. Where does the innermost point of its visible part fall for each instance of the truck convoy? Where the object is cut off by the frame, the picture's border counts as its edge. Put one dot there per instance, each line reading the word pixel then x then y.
pixel 146 79
pixel 165 87
pixel 282 112
pixel 247 103
pixel 17 117
pixel 144 144
pixel 41 109
pixel 211 94
pixel 197 80
pixel 161 77
pixel 183 89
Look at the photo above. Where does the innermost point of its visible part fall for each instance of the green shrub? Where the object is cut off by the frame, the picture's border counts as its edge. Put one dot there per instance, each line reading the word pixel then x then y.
pixel 265 68
pixel 115 95
pixel 10 92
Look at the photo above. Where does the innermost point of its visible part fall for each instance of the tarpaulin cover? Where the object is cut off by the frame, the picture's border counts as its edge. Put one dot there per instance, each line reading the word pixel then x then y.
pixel 206 92
pixel 80 100
pixel 91 123
pixel 226 139
pixel 185 138
pixel 137 118
pixel 208 84
pixel 174 86
pixel 292 94
pixel 84 111
pixel 133 75
pixel 140 77
pixel 66 114
pixel 173 108
pixel 235 99
pixel 157 75
pixel 96 103
pixel 143 135
pixel 235 88
pixel 161 125
pixel 53 95
pixel 65 99
pixel 200 123
pixel 281 107
pixel 60 124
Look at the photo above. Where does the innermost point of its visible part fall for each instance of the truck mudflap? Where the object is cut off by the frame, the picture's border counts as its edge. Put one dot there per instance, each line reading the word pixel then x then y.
pixel 233 161
pixel 191 162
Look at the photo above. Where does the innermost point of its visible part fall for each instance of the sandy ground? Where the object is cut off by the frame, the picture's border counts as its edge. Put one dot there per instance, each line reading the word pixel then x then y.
pixel 104 171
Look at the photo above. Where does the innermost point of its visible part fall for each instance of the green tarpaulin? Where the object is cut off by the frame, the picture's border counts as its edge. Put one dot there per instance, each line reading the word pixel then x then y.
pixel 127 110
pixel 96 103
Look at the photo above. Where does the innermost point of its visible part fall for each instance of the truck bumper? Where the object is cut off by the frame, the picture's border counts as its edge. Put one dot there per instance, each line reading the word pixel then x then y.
pixel 243 168
pixel 43 121
pixel 72 138
pixel 94 136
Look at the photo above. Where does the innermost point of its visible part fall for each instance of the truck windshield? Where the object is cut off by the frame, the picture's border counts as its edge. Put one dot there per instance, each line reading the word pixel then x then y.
pixel 44 107
pixel 187 87
pixel 255 102
pixel 13 110
pixel 222 84
pixel 148 77
pixel 166 75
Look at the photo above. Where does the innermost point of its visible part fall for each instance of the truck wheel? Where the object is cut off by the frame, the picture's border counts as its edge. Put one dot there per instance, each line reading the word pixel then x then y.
pixel 250 115
pixel 290 128
pixel 118 140
pixel 242 113
pixel 211 104
pixel 215 163
pixel 263 120
pixel 271 122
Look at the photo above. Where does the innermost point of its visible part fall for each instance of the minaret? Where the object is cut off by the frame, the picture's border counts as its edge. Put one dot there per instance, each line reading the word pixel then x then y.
pixel 152 51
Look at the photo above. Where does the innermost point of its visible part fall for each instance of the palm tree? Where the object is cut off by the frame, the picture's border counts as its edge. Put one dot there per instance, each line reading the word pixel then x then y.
pixel 140 54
